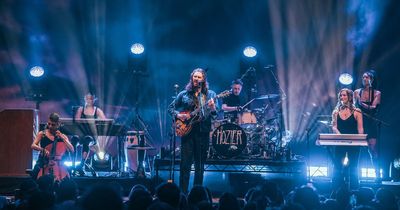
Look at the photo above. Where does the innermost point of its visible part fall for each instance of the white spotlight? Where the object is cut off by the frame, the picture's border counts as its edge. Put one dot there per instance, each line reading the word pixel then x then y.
pixel 345 79
pixel 36 71
pixel 137 48
pixel 250 51
pixel 101 155
pixel 346 160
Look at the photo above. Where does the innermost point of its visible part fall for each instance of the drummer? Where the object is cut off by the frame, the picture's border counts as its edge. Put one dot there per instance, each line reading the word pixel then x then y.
pixel 232 104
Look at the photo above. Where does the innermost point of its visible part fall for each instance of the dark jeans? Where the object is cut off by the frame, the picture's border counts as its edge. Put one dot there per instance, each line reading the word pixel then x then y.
pixel 194 147
pixel 346 174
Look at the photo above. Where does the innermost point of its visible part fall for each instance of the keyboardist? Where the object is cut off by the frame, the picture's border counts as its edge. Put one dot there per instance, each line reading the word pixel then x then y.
pixel 88 111
pixel 346 119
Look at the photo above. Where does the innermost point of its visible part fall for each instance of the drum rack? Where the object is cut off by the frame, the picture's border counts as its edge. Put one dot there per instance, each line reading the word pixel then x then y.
pixel 243 166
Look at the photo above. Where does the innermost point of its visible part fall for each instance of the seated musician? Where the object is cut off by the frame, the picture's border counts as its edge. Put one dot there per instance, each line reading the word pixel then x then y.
pixel 88 111
pixel 232 104
pixel 346 119
pixel 52 145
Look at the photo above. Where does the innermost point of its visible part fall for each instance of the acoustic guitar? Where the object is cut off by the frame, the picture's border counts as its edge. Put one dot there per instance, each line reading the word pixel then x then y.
pixel 183 127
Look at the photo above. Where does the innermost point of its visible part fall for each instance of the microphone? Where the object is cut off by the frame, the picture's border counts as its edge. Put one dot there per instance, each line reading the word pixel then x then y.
pixel 201 83
pixel 176 87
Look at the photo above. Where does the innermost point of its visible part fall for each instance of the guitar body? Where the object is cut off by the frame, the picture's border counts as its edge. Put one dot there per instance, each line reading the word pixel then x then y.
pixel 53 164
pixel 182 127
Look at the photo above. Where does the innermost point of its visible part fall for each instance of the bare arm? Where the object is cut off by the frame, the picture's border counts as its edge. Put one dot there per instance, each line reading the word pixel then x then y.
pixel 356 96
pixel 377 100
pixel 100 114
pixel 35 145
pixel 78 113
pixel 229 108
pixel 334 122
pixel 359 118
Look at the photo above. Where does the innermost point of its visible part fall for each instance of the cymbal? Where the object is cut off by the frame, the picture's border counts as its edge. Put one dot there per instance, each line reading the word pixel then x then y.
pixel 135 147
pixel 268 96
pixel 325 122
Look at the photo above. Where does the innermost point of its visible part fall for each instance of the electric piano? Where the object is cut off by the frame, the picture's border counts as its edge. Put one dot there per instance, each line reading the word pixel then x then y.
pixel 91 127
pixel 330 139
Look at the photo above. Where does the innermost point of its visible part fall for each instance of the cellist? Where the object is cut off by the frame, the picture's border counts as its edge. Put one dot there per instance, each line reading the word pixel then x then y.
pixel 52 145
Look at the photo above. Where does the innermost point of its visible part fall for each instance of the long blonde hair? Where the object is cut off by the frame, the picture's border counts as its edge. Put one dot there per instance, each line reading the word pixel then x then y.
pixel 350 103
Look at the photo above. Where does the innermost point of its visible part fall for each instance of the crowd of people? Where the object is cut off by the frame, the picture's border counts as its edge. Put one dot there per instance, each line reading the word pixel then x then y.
pixel 47 194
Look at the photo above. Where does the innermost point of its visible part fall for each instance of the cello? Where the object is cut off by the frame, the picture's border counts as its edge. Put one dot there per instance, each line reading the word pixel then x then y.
pixel 52 164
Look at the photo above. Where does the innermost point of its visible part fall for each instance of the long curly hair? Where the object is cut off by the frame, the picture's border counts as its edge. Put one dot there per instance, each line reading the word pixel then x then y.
pixel 204 86
pixel 340 105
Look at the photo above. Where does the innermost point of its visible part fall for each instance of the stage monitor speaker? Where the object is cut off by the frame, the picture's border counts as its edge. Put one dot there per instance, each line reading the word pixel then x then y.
pixel 18 128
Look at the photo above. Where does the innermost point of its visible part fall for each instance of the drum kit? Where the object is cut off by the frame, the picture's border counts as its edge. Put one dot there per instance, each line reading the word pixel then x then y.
pixel 247 134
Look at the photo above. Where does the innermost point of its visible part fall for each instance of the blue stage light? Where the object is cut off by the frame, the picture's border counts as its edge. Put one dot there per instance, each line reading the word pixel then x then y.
pixel 137 48
pixel 345 79
pixel 36 71
pixel 249 51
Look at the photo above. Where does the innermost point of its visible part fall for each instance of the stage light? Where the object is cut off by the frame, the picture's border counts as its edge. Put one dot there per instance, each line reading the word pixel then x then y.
pixel 249 51
pixel 396 163
pixel 318 171
pixel 370 173
pixel 346 160
pixel 69 163
pixel 345 79
pixel 101 156
pixel 137 48
pixel 36 71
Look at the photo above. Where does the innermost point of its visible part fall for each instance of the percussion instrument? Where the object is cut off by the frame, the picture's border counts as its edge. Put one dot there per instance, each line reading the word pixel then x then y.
pixel 229 140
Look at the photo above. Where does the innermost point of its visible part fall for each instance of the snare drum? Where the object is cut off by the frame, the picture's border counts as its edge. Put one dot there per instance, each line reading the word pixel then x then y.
pixel 229 140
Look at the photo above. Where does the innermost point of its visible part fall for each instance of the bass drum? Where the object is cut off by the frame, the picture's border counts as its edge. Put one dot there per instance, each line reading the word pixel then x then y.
pixel 229 140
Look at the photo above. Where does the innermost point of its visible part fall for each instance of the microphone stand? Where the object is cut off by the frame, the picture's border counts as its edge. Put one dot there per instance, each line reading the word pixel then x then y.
pixel 74 108
pixel 173 140
pixel 308 155
pixel 283 97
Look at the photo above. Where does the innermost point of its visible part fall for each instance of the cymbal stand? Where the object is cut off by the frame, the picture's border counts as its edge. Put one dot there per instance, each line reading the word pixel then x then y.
pixel 308 154
pixel 283 97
